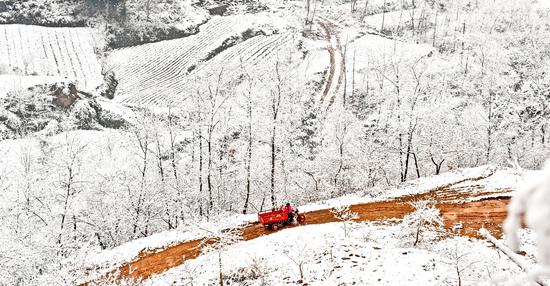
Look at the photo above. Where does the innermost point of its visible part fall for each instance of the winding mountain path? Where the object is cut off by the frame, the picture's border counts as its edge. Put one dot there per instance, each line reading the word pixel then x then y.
pixel 337 65
pixel 466 204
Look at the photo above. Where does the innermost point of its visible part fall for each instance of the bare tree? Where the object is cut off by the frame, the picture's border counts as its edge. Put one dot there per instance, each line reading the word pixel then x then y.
pixel 423 224
pixel 71 163
pixel 218 240
pixel 461 262
pixel 341 135
pixel 298 260
pixel 346 216
pixel 248 161
pixel 276 99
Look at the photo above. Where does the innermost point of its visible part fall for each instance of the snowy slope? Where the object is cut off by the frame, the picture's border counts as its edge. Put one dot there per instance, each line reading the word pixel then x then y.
pixel 52 52
pixel 502 179
pixel 163 73
pixel 370 255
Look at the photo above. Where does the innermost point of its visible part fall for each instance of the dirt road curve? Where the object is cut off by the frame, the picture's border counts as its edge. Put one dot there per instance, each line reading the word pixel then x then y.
pixel 489 213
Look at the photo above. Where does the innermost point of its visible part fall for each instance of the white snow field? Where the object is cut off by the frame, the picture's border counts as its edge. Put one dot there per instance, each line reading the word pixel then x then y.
pixel 67 53
pixel 162 73
pixel 371 254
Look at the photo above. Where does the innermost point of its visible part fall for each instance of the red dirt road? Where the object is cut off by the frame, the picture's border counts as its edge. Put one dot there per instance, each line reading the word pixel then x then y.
pixel 488 213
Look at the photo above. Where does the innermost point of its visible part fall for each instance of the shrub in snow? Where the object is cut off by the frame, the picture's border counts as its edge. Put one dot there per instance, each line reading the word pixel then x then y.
pixel 532 202
pixel 344 214
pixel 218 241
pixel 424 224
pixel 257 271
pixel 85 114
pixel 460 257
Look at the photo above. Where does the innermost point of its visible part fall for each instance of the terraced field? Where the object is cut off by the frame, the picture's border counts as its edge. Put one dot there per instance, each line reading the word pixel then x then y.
pixel 163 73
pixel 51 52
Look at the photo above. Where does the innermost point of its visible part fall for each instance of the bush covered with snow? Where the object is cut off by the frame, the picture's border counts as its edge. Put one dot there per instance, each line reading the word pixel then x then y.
pixel 423 226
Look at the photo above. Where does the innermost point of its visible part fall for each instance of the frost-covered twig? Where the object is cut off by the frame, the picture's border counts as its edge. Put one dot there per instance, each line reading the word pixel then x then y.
pixel 344 214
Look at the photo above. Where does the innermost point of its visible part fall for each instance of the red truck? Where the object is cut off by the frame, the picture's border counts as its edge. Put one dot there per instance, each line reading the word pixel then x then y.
pixel 275 219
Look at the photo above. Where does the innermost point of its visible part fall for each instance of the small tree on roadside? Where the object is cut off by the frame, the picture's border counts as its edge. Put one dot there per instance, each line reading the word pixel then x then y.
pixel 344 214
pixel 423 224
pixel 461 261
pixel 218 241
pixel 298 260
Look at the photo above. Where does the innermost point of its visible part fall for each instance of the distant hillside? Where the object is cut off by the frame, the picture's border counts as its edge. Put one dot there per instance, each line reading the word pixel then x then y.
pixel 42 51
pixel 123 23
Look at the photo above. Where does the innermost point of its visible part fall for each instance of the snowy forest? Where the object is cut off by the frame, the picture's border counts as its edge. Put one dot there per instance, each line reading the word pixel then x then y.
pixel 397 127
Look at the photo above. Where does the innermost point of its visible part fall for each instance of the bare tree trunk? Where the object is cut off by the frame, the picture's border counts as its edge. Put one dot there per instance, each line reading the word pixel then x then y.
pixel 209 170
pixel 68 186
pixel 173 147
pixel 308 9
pixel 458 275
pixel 273 158
pixel 412 10
pixel 341 140
pixel 365 10
pixel 437 165
pixel 416 165
pixel 543 134
pixel 408 153
pixel 353 77
pixel 143 143
pixel 200 171
pixel 490 127
pixel 220 273
pixel 276 97
pixel 315 181
pixel 249 154
pixel 383 17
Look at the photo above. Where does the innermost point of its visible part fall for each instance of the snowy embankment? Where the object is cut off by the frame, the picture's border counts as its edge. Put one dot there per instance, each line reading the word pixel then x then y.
pixel 322 255
pixel 36 55
pixel 501 179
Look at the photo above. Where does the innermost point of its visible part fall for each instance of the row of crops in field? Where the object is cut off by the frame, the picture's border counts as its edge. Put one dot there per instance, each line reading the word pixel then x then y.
pixel 150 66
pixel 68 53
pixel 258 52
pixel 160 73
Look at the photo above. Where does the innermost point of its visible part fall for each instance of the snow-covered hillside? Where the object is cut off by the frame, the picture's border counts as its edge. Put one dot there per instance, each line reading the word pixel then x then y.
pixel 33 53
pixel 164 73
pixel 139 139
pixel 475 184
pixel 371 254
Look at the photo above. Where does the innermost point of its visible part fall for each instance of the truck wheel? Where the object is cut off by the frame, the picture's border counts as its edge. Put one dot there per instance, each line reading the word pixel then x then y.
pixel 274 227
pixel 301 218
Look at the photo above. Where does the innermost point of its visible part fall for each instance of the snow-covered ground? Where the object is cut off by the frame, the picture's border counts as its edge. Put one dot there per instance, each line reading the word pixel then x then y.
pixel 29 50
pixel 11 82
pixel 163 73
pixel 371 254
pixel 507 179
